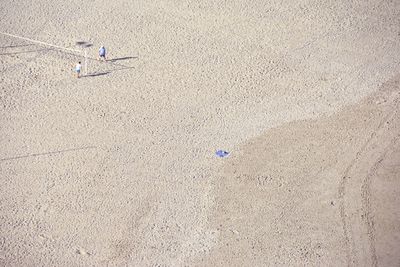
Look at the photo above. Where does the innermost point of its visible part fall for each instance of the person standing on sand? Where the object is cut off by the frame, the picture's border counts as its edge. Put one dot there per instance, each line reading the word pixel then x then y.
pixel 78 69
pixel 102 53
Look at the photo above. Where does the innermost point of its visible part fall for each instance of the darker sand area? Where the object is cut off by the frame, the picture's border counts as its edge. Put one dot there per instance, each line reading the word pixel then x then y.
pixel 319 192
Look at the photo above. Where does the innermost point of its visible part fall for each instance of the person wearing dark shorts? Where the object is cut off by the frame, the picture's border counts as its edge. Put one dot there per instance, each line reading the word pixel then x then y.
pixel 78 69
pixel 102 53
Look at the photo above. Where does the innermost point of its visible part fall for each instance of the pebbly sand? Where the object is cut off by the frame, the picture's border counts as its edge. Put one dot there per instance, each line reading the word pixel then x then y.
pixel 118 168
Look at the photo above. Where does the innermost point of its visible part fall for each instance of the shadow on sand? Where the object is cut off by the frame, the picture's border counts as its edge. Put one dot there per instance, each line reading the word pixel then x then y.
pixel 47 153
pixel 83 44
pixel 14 46
pixel 26 52
pixel 121 58
pixel 96 74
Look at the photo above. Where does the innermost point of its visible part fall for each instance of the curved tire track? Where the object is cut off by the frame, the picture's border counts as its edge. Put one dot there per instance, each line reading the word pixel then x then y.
pixel 366 201
pixel 366 194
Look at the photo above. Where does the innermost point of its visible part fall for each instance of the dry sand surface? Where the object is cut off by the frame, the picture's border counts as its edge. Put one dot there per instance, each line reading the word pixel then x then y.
pixel 118 168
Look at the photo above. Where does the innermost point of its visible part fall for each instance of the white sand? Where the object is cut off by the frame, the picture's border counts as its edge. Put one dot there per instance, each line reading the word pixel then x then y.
pixel 118 168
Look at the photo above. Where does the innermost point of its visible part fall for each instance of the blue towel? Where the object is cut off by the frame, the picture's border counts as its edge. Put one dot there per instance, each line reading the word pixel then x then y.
pixel 222 153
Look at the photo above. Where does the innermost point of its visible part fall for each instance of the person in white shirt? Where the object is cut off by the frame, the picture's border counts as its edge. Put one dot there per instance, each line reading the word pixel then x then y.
pixel 78 69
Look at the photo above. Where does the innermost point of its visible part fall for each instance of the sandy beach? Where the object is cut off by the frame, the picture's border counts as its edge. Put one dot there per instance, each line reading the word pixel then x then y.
pixel 118 167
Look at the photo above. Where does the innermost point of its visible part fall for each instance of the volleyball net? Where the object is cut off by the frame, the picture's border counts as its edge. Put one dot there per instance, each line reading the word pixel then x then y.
pixel 81 53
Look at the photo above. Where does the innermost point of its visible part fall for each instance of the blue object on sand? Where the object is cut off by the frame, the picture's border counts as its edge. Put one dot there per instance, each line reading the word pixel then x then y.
pixel 222 153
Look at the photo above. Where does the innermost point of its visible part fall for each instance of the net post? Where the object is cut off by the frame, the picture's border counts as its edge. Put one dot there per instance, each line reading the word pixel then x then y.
pixel 86 71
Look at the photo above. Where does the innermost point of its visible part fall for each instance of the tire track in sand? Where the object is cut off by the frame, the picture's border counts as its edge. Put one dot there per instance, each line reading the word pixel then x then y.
pixel 367 216
pixel 348 240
